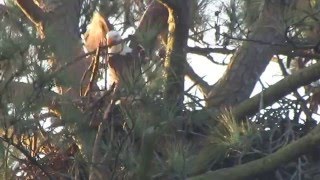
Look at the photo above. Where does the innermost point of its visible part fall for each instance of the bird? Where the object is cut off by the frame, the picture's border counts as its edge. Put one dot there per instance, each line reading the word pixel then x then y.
pixel 122 64
pixel 122 67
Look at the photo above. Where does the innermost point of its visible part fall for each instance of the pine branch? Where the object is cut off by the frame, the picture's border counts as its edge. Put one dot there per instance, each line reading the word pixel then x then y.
pixel 268 163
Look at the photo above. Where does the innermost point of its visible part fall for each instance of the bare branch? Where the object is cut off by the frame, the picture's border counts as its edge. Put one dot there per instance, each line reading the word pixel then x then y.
pixel 278 90
pixel 205 51
pixel 31 10
pixel 286 49
pixel 202 84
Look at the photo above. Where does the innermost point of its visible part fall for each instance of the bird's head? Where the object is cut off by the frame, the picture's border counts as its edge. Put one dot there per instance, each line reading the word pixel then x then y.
pixel 113 38
pixel 114 43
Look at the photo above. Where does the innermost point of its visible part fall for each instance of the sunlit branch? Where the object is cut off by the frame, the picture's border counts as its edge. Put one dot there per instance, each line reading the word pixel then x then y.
pixel 277 91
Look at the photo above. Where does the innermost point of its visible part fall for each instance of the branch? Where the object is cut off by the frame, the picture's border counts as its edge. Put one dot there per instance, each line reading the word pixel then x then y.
pixel 278 90
pixel 31 10
pixel 93 68
pixel 154 22
pixel 298 53
pixel 272 94
pixel 286 50
pixel 174 64
pixel 244 70
pixel 169 3
pixel 28 156
pixel 202 84
pixel 268 163
pixel 206 51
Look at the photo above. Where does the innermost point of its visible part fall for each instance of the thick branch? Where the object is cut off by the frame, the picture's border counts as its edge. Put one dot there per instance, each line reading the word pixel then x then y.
pixel 31 10
pixel 176 54
pixel 154 21
pixel 271 95
pixel 201 83
pixel 268 163
pixel 250 61
pixel 278 90
pixel 62 22
pixel 170 3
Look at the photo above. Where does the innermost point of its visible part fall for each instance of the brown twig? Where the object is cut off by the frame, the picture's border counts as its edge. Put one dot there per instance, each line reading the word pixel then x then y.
pixel 93 68
pixel 31 159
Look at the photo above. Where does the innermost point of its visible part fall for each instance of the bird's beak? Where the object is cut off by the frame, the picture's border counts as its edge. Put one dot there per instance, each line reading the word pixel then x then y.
pixel 110 41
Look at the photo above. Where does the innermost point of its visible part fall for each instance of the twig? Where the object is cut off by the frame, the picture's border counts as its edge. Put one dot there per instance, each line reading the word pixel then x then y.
pixel 31 159
pixel 94 66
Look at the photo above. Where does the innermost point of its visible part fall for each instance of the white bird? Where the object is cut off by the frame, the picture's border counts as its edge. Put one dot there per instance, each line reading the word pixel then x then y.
pixel 123 68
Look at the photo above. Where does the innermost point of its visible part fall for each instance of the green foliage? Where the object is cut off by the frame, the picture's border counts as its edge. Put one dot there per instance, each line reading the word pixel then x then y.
pixel 2 153
pixel 225 140
pixel 143 137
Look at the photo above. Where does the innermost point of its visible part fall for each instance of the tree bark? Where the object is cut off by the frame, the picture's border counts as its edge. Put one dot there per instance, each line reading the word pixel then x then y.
pixel 247 64
pixel 59 27
pixel 250 61
pixel 176 51
pixel 271 95
pixel 277 91
pixel 153 22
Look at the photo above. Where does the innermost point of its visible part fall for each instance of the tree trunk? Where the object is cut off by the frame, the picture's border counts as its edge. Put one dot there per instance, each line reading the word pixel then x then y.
pixel 153 22
pixel 61 21
pixel 176 51
pixel 250 61
pixel 247 64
